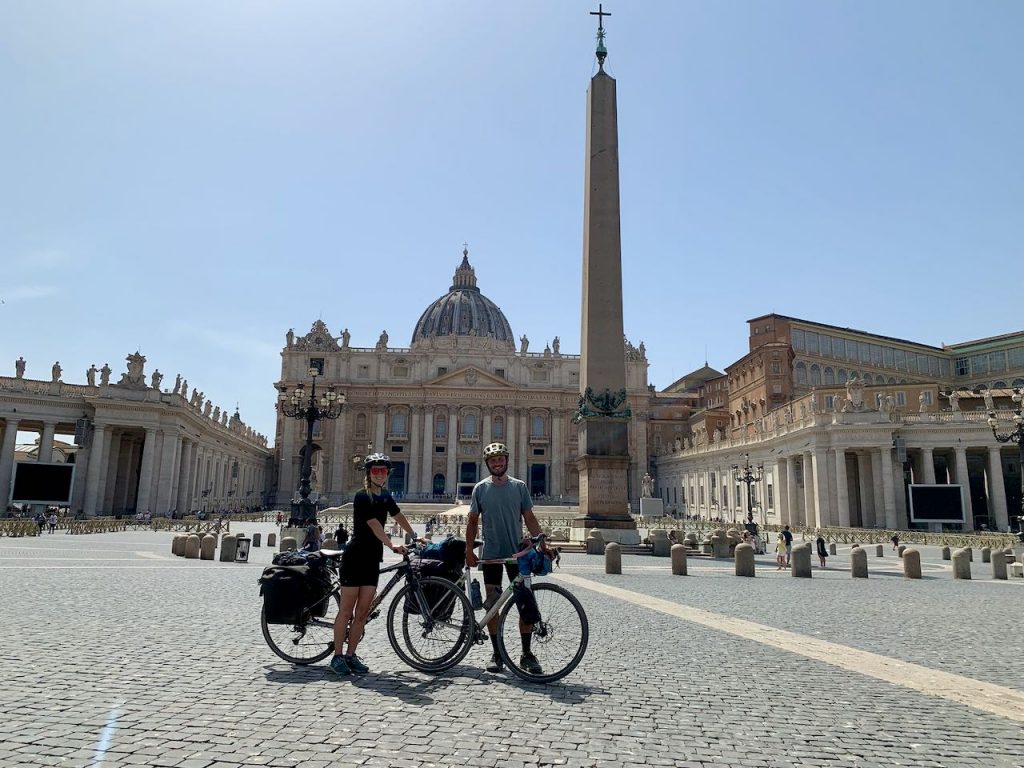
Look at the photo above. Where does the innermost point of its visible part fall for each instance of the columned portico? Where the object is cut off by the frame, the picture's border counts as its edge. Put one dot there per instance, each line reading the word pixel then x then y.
pixel 963 480
pixel 997 489
pixel 842 489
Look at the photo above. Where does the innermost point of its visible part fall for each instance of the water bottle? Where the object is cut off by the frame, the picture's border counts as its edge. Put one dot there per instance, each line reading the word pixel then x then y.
pixel 475 599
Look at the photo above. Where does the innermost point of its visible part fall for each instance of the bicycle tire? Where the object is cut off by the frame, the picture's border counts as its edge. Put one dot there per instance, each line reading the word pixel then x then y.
pixel 415 639
pixel 304 643
pixel 559 639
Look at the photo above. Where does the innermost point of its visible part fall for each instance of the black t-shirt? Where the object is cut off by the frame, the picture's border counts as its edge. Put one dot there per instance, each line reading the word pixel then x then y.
pixel 788 536
pixel 365 508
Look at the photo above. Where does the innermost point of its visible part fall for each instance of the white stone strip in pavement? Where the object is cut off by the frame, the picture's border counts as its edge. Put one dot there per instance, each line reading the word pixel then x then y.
pixel 106 736
pixel 988 697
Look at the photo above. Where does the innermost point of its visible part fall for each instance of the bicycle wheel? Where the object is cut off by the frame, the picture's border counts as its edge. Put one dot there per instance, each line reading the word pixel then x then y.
pixel 559 639
pixel 440 637
pixel 304 643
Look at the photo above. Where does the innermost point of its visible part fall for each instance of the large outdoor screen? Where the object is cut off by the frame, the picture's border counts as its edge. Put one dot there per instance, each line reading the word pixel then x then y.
pixel 37 483
pixel 936 504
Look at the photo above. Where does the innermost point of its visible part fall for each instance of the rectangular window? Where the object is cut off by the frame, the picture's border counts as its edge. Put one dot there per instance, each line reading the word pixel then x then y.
pixel 1015 357
pixel 812 343
pixel 911 362
pixel 997 362
pixel 499 372
pixel 826 345
pixel 829 402
pixel 364 371
pixel 397 448
pixel 776 368
pixel 963 366
pixel 317 364
pixel 864 351
pixel 887 357
pixel 901 399
pixel 927 398
pixel 776 389
pixel 701 493
pixel 438 449
pixel 922 363
pixel 538 451
pixel 538 375
pixel 771 496
pixel 876 354
pixel 400 371
pixel 839 349
pixel 901 360
pixel 442 371
pixel 933 365
pixel 798 340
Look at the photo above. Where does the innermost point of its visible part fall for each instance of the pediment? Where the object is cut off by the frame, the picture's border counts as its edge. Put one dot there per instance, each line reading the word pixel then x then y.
pixel 471 376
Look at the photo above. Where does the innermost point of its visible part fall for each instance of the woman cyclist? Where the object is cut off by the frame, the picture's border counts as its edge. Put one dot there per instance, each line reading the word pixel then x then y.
pixel 361 564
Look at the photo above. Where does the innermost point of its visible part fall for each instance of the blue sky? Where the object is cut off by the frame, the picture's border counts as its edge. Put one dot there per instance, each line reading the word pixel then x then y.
pixel 192 179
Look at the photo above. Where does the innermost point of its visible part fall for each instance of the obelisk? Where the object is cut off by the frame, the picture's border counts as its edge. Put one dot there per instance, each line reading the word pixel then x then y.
pixel 603 415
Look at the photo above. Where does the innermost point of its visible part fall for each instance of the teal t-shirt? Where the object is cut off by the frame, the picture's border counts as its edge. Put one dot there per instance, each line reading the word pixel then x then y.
pixel 501 509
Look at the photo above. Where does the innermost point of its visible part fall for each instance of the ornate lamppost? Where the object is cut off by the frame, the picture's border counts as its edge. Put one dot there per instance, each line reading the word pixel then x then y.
pixel 749 475
pixel 1016 436
pixel 295 406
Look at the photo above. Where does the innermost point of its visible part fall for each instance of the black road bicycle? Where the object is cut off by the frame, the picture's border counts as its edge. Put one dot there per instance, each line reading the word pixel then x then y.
pixel 431 624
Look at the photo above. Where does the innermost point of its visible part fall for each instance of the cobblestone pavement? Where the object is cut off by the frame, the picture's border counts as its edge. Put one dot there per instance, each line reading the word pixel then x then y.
pixel 116 654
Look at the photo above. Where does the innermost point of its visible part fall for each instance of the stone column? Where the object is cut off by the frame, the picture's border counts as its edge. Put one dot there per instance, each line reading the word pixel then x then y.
pixel 510 437
pixel 94 476
pixel 821 491
pixel 888 488
pixel 927 466
pixel 557 447
pixel 788 512
pixel 46 442
pixel 963 480
pixel 867 491
pixel 126 495
pixel 336 489
pixel 428 449
pixel 524 445
pixel 380 431
pixel 415 448
pixel 143 500
pixel 287 479
pixel 842 489
pixel 997 489
pixel 112 471
pixel 878 497
pixel 172 500
pixel 485 434
pixel 170 448
pixel 451 469
pixel 183 502
pixel 7 460
pixel 809 505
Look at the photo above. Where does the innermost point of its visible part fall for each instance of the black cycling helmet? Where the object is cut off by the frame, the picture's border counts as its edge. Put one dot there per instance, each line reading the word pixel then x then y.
pixel 495 449
pixel 376 460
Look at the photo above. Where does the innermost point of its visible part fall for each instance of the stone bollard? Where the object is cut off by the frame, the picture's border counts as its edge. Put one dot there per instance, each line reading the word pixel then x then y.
pixel 178 545
pixel 962 564
pixel 228 545
pixel 329 544
pixel 207 547
pixel 879 550
pixel 858 563
pixel 288 544
pixel 911 563
pixel 271 539
pixel 613 558
pixel 900 550
pixel 1010 554
pixel 192 547
pixel 744 556
pixel 970 553
pixel 256 539
pixel 986 555
pixel 945 553
pixel 800 560
pixel 854 545
pixel 691 541
pixel 999 565
pixel 595 542
pixel 678 560
pixel 832 548
pixel 660 544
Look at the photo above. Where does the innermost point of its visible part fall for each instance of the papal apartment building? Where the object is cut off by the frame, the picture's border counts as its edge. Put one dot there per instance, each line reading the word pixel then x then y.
pixel 842 421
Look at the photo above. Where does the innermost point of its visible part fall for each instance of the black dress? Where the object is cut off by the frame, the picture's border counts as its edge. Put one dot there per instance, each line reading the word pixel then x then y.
pixel 365 551
pixel 822 552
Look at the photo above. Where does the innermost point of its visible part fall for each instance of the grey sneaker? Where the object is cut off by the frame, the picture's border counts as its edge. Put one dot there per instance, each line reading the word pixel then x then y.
pixel 495 664
pixel 356 665
pixel 529 662
pixel 339 666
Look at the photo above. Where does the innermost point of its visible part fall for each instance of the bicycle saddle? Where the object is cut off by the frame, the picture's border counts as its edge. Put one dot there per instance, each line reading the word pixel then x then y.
pixel 332 552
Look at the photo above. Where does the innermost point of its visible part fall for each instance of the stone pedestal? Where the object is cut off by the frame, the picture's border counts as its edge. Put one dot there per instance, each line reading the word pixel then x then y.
pixel 652 508
pixel 604 498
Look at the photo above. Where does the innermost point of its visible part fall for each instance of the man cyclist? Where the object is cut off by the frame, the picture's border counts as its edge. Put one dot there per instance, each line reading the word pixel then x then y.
pixel 504 504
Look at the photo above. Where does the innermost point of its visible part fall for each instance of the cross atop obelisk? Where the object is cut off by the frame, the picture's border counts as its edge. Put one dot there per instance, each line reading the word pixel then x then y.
pixel 604 414
pixel 602 52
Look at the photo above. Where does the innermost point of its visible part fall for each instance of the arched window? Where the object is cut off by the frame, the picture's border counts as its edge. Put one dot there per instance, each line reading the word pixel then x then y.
pixel 815 376
pixel 892 379
pixel 498 428
pixel 867 378
pixel 830 377
pixel 469 424
pixel 801 373
pixel 361 424
pixel 441 426
pixel 998 385
pixel 537 426
pixel 1018 382
pixel 841 376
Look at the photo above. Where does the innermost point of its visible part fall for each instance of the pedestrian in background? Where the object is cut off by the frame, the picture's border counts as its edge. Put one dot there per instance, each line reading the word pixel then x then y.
pixel 780 551
pixel 822 552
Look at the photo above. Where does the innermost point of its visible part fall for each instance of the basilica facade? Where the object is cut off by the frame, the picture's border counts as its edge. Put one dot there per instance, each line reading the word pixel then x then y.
pixel 463 381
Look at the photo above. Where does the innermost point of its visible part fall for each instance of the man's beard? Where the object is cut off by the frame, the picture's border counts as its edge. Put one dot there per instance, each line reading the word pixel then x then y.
pixel 498 473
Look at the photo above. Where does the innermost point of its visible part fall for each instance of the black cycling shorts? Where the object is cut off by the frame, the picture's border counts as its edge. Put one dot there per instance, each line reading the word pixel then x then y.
pixel 492 573
pixel 360 569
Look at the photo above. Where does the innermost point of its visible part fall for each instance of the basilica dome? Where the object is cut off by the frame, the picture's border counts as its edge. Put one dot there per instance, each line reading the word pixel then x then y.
pixel 464 311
